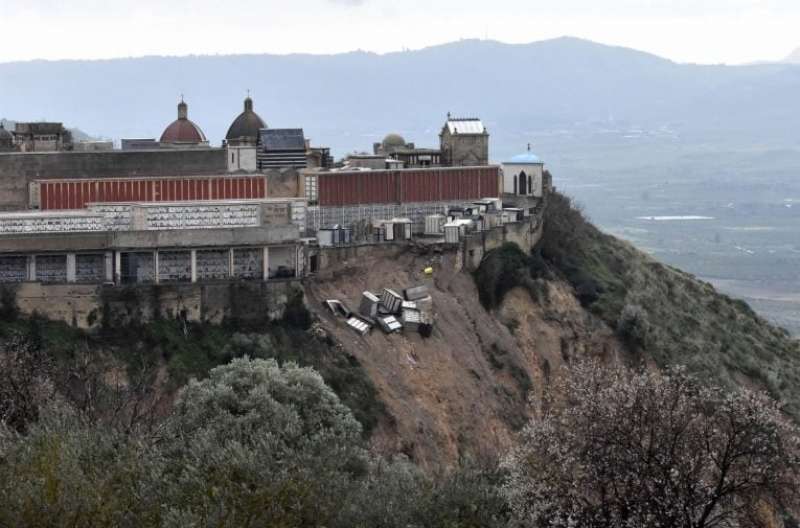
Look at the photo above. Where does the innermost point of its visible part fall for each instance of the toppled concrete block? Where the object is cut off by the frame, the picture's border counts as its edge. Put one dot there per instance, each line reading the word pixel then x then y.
pixel 389 324
pixel 369 305
pixel 409 305
pixel 392 301
pixel 412 319
pixel 360 326
pixel 425 304
pixel 338 308
pixel 415 293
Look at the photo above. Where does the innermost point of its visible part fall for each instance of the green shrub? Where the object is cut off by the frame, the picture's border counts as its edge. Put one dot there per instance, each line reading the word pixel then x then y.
pixel 500 271
pixel 633 325
pixel 296 314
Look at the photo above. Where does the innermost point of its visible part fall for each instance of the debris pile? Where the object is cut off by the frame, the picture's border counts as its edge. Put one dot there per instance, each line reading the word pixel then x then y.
pixel 390 311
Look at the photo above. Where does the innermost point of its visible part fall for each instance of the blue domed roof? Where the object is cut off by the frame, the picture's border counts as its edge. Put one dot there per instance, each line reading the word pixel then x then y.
pixel 527 158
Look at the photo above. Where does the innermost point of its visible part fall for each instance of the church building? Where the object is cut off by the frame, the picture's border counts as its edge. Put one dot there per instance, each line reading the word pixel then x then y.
pixel 245 128
pixel 523 175
pixel 464 142
pixel 183 133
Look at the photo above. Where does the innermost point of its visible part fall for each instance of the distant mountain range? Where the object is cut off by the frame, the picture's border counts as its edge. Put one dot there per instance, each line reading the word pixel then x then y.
pixel 349 100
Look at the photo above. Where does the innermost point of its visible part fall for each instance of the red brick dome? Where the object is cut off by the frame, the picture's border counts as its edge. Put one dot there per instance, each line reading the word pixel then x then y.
pixel 183 130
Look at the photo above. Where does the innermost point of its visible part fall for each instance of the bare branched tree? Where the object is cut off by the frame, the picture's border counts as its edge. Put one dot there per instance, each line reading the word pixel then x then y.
pixel 24 382
pixel 622 449
pixel 128 399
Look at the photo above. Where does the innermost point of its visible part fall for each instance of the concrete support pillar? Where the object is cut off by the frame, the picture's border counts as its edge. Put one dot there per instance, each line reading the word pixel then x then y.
pixel 155 262
pixel 298 261
pixel 32 267
pixel 194 264
pixel 231 270
pixel 118 267
pixel 108 274
pixel 71 267
pixel 266 263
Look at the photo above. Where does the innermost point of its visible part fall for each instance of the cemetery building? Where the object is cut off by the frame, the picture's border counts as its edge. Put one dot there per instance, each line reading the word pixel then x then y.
pixel 464 142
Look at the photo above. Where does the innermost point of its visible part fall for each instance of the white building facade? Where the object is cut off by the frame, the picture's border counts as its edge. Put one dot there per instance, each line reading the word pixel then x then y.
pixel 523 175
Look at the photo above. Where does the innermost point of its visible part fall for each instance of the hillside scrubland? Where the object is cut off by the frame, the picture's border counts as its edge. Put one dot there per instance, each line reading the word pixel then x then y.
pixel 665 316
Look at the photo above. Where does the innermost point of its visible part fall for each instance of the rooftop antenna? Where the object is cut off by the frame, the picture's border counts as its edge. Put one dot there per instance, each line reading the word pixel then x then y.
pixel 529 147
pixel 248 92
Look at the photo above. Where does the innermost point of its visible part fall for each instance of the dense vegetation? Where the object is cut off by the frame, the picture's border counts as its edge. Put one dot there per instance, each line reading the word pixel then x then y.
pixel 257 444
pixel 160 356
pixel 664 314
pixel 254 444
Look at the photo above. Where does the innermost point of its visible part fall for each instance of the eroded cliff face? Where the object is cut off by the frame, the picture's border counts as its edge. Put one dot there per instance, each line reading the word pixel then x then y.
pixel 464 391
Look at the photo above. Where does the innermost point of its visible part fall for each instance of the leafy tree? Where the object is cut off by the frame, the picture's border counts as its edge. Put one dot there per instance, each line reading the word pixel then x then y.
pixel 397 494
pixel 258 444
pixel 633 325
pixel 67 470
pixel 501 270
pixel 621 449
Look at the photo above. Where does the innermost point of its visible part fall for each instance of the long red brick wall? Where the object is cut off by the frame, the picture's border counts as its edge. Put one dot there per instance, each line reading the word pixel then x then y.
pixel 75 194
pixel 18 170
pixel 400 186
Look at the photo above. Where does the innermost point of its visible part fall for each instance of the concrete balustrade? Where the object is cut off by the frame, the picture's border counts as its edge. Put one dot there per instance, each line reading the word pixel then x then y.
pixel 158 217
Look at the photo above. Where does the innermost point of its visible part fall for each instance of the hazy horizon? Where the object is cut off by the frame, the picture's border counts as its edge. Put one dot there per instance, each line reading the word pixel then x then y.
pixel 744 31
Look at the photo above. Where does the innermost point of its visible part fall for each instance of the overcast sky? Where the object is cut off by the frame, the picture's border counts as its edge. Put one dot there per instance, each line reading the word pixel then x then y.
pixel 704 31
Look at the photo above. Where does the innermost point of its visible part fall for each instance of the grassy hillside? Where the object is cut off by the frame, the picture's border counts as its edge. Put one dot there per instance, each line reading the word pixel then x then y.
pixel 665 316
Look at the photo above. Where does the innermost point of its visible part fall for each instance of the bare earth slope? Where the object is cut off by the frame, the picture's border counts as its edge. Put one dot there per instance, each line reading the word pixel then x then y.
pixel 463 390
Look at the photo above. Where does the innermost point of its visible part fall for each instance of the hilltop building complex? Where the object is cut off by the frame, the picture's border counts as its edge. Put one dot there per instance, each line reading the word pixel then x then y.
pixel 267 206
